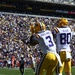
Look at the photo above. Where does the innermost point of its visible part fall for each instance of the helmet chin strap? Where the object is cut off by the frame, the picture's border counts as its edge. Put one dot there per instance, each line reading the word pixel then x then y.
pixel 63 26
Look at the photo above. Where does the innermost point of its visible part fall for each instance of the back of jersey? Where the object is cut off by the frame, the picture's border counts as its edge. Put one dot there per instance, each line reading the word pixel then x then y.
pixel 46 42
pixel 63 38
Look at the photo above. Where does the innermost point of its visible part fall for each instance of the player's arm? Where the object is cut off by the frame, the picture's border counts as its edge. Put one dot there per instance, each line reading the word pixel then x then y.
pixel 33 41
pixel 54 32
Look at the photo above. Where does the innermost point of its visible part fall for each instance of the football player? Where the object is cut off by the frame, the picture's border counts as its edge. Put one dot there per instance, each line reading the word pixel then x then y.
pixel 44 39
pixel 63 35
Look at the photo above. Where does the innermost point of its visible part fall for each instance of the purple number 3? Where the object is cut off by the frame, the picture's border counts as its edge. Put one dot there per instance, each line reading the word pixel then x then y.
pixel 50 41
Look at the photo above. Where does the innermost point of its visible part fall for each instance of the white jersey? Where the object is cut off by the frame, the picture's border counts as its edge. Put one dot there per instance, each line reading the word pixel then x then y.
pixel 63 39
pixel 46 42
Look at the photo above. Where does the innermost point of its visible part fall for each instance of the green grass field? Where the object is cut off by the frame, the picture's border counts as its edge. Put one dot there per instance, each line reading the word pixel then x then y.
pixel 28 71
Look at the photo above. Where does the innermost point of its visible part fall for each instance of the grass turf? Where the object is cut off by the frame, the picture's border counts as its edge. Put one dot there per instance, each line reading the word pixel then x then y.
pixel 28 71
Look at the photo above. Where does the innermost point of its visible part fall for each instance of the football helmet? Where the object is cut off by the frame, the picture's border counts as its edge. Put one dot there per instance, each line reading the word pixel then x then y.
pixel 39 26
pixel 32 29
pixel 62 22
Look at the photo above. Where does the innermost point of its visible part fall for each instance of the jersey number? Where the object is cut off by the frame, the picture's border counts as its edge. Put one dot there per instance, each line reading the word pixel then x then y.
pixel 50 41
pixel 65 38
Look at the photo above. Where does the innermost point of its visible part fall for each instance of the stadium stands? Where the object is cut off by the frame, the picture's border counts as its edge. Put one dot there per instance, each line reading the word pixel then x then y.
pixel 14 27
pixel 71 2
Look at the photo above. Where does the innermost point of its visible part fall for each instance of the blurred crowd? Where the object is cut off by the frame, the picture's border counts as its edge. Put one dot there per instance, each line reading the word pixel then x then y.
pixel 14 27
pixel 71 2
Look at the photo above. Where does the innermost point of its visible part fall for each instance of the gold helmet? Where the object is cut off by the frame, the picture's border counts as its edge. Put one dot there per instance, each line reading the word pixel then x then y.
pixel 32 29
pixel 39 26
pixel 62 22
